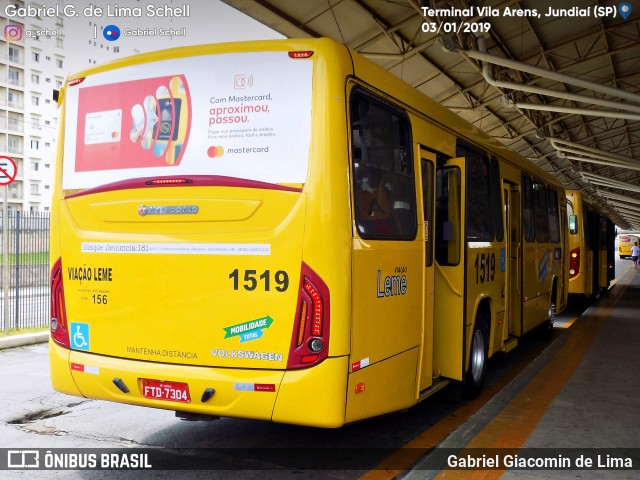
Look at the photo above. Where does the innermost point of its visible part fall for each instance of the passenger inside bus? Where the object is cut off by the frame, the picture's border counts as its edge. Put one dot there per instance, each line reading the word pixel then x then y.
pixel 374 211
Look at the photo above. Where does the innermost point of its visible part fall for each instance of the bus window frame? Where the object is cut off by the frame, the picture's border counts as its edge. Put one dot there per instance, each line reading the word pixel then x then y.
pixel 444 245
pixel 428 200
pixel 573 224
pixel 357 94
pixel 480 216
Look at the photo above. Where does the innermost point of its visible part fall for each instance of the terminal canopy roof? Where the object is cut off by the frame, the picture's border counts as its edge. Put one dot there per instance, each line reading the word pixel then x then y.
pixel 562 90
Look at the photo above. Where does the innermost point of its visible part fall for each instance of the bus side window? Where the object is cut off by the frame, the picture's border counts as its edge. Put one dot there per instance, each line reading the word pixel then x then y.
pixel 383 177
pixel 528 221
pixel 427 203
pixel 540 211
pixel 554 226
pixel 573 224
pixel 448 216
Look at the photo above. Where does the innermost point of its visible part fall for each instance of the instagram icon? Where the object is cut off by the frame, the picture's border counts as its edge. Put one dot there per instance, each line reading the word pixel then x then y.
pixel 13 33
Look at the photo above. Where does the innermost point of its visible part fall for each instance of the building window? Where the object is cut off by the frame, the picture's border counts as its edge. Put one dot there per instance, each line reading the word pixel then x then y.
pixel 59 62
pixel 35 189
pixel 14 99
pixel 14 77
pixel 35 145
pixel 36 56
pixel 35 78
pixel 14 54
pixel 15 122
pixel 35 101
pixel 14 143
pixel 59 42
pixel 35 166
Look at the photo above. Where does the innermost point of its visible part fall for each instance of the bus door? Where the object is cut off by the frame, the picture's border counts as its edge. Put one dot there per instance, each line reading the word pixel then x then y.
pixel 448 330
pixel 514 255
pixel 427 160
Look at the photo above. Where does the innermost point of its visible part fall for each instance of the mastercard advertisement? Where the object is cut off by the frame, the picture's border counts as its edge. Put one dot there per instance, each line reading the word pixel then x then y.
pixel 139 123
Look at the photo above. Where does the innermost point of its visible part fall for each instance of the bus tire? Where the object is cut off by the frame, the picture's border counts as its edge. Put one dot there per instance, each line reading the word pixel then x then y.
pixel 474 378
pixel 547 328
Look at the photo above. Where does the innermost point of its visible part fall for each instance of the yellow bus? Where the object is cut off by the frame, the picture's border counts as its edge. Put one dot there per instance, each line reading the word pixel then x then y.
pixel 284 231
pixel 625 243
pixel 591 247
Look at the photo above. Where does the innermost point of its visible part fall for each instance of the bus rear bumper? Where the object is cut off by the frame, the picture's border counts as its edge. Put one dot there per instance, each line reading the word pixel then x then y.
pixel 305 397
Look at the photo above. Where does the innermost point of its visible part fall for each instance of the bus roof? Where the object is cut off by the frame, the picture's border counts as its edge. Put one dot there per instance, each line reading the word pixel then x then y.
pixel 373 74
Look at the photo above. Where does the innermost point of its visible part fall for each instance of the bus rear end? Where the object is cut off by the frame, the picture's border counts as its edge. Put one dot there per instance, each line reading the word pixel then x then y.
pixel 179 274
pixel 625 243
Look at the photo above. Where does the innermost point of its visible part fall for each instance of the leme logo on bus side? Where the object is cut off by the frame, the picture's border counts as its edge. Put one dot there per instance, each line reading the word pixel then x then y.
pixel 168 210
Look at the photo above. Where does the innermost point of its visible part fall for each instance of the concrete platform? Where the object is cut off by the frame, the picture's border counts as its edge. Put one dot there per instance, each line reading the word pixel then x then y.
pixel 23 339
pixel 578 402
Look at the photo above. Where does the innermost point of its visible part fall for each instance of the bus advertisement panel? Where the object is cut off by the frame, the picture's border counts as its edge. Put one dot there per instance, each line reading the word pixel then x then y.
pixel 207 115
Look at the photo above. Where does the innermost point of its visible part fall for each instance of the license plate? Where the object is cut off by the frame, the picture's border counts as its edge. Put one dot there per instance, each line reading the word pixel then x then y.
pixel 161 390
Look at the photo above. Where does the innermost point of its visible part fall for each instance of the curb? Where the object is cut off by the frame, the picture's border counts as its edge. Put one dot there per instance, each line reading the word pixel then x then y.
pixel 24 339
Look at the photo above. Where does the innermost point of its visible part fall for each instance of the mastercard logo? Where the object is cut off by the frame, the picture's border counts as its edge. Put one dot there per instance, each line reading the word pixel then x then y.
pixel 216 151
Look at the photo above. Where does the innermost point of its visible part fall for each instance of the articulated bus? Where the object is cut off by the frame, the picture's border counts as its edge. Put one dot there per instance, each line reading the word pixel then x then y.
pixel 591 247
pixel 284 231
pixel 625 243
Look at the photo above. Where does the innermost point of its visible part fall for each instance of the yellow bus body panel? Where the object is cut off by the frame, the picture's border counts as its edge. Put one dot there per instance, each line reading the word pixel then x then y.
pixel 314 396
pixel 177 298
pixel 386 386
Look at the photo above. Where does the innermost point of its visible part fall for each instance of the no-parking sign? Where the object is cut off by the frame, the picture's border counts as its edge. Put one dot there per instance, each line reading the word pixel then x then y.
pixel 8 170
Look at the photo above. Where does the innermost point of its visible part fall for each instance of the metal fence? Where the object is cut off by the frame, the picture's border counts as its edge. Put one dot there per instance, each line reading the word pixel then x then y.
pixel 28 271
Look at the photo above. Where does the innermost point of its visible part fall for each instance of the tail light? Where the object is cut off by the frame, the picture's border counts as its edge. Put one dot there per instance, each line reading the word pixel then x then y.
pixel 310 338
pixel 76 81
pixel 574 262
pixel 301 54
pixel 59 328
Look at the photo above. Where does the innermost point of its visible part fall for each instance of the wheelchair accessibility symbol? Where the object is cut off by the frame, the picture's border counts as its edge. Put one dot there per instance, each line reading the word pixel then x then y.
pixel 79 336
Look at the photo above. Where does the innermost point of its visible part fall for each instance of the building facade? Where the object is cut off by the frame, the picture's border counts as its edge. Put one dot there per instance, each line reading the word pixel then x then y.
pixel 32 66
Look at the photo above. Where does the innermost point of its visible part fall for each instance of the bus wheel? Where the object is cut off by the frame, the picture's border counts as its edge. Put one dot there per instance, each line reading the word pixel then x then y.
pixel 547 331
pixel 474 378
